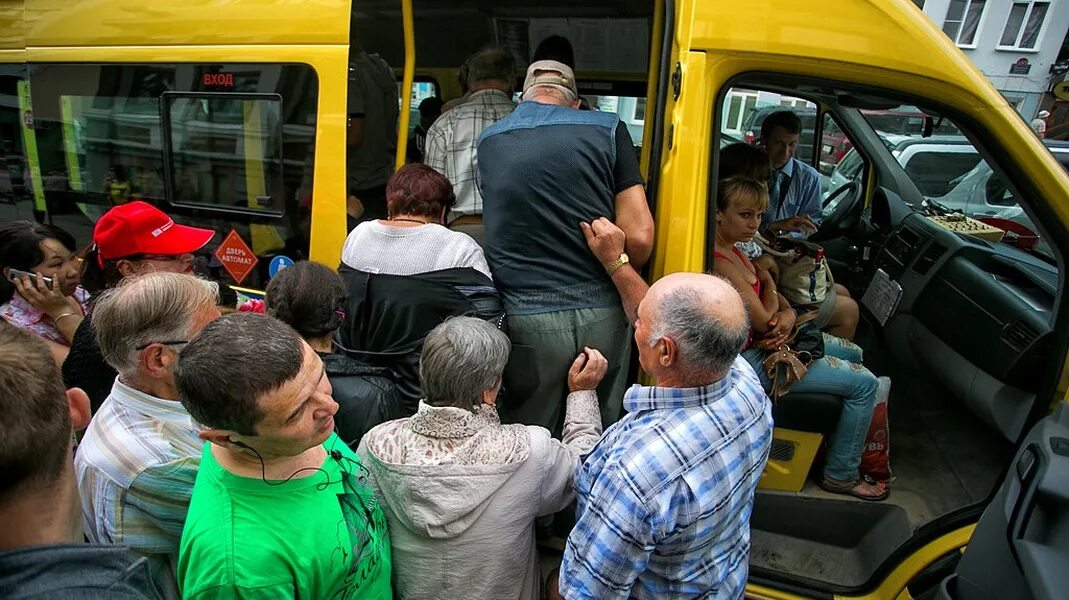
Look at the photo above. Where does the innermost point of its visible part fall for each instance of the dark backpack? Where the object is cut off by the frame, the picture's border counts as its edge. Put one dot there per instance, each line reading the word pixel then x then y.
pixel 388 316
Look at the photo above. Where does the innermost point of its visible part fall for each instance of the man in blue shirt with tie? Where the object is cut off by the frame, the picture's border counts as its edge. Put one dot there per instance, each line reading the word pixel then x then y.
pixel 794 190
pixel 795 208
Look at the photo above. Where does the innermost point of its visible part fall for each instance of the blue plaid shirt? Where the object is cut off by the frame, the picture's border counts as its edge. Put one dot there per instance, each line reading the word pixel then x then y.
pixel 664 499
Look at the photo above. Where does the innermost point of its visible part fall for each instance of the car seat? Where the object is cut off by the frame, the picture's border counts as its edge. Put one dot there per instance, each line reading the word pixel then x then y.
pixel 801 422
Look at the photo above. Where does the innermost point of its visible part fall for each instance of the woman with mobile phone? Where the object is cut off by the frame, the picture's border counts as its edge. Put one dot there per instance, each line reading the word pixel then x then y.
pixel 39 290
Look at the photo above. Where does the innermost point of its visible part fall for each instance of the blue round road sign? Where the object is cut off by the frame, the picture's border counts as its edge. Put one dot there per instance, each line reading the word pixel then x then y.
pixel 277 264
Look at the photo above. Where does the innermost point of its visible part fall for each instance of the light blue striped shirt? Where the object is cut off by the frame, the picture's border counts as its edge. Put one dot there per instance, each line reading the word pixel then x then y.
pixel 664 499
pixel 802 197
pixel 136 467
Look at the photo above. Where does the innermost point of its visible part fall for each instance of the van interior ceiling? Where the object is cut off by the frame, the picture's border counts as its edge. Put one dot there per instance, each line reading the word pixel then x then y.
pixel 447 32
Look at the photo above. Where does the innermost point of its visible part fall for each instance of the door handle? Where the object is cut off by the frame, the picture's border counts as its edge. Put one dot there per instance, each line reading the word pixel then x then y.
pixel 1026 468
pixel 1040 557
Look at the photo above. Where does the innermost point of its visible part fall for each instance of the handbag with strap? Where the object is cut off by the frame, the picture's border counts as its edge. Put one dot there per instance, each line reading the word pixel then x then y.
pixel 790 361
pixel 804 276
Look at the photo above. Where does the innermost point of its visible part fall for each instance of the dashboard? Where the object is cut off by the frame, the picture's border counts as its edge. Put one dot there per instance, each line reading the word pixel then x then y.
pixel 990 303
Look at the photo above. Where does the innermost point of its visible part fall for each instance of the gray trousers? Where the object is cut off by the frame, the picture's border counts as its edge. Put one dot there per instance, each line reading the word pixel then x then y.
pixel 543 349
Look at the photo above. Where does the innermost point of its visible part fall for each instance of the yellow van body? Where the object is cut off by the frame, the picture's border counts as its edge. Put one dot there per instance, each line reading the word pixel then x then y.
pixel 889 45
pixel 886 44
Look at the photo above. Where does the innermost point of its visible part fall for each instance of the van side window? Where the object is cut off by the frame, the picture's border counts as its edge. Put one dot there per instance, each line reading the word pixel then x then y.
pixel 224 150
pixel 840 161
pixel 222 146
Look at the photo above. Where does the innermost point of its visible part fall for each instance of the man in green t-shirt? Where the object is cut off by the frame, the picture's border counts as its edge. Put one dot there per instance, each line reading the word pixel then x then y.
pixel 281 508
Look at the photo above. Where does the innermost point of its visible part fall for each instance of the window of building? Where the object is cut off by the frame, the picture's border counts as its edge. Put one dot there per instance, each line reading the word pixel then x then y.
pixel 640 109
pixel 963 21
pixel 1023 25
pixel 919 3
pixel 739 104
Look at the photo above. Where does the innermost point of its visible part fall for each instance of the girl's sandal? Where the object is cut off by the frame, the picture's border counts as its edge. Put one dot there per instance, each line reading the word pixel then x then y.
pixel 856 488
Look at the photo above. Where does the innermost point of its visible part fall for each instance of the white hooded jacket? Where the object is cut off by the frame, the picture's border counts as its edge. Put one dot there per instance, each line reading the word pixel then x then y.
pixel 461 492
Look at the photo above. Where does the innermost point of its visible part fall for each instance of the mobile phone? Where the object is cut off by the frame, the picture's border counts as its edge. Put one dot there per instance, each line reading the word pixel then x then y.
pixel 791 235
pixel 13 273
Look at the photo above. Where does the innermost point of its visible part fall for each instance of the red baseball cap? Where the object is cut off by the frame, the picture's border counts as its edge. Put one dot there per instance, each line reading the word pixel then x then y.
pixel 140 228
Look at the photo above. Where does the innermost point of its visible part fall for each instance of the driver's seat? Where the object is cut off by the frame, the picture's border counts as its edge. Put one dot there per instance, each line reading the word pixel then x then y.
pixel 801 422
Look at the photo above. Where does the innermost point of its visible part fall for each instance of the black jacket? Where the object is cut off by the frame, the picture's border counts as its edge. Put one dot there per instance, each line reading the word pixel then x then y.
pixel 85 366
pixel 366 396
pixel 389 315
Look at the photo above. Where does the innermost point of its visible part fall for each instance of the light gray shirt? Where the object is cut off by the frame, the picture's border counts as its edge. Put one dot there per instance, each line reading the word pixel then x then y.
pixel 384 249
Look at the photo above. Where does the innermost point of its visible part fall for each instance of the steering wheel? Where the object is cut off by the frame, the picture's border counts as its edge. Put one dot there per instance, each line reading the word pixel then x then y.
pixel 840 212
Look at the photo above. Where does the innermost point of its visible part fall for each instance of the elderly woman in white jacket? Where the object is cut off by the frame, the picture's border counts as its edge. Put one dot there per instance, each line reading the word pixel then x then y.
pixel 461 491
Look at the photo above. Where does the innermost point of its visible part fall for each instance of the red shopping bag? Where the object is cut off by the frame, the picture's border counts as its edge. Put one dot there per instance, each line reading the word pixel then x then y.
pixel 875 458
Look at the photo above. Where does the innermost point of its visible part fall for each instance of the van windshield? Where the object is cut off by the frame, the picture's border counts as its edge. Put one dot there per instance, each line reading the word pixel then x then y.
pixel 953 176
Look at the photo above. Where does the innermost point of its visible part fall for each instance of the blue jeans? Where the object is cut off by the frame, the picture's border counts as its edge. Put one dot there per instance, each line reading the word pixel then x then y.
pixel 839 373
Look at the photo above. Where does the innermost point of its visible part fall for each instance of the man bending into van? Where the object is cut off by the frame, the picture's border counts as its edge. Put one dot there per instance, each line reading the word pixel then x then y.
pixel 281 508
pixel 543 169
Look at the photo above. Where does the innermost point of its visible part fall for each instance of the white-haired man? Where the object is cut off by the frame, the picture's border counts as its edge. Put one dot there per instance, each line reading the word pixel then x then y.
pixel 138 460
pixel 1039 124
pixel 451 140
pixel 542 169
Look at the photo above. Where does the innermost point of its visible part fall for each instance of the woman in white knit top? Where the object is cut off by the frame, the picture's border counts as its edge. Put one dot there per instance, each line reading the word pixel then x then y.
pixel 412 239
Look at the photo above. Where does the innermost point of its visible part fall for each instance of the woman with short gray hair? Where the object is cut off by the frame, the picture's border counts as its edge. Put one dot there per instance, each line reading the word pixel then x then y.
pixel 454 482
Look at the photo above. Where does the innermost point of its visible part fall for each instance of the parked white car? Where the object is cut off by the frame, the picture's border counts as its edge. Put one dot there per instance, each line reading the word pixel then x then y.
pixel 931 162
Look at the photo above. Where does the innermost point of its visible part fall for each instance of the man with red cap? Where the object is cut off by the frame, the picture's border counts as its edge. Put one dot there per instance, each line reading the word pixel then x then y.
pixel 138 237
pixel 130 239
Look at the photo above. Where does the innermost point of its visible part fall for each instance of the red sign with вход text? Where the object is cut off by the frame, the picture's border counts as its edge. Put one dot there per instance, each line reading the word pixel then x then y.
pixel 237 258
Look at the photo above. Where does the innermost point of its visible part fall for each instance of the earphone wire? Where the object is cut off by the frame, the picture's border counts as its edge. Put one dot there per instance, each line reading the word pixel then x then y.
pixel 334 454
pixel 337 455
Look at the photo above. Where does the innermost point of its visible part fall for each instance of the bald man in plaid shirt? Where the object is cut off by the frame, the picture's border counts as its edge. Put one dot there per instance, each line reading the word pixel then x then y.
pixel 664 499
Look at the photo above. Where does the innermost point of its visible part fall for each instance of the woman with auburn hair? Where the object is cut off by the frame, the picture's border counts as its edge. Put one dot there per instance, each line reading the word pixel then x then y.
pixel 413 239
pixel 407 273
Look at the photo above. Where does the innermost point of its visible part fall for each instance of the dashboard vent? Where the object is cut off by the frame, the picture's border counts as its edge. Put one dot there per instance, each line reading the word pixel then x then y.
pixel 1019 335
pixel 931 256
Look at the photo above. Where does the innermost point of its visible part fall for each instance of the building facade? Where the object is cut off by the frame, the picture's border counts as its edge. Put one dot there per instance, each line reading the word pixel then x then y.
pixel 1013 42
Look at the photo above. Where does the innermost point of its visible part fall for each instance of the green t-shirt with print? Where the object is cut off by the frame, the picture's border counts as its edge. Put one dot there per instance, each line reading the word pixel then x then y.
pixel 320 536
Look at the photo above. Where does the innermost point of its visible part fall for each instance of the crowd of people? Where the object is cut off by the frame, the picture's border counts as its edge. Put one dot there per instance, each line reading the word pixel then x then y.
pixel 404 425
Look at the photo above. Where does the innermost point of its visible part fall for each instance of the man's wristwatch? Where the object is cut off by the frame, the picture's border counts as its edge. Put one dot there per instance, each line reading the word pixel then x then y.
pixel 616 264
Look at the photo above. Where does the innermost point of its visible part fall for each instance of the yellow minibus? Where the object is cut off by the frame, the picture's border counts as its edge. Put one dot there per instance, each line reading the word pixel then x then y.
pixel 233 115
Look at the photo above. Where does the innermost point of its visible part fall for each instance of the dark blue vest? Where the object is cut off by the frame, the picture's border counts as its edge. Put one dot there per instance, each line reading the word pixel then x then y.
pixel 542 170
